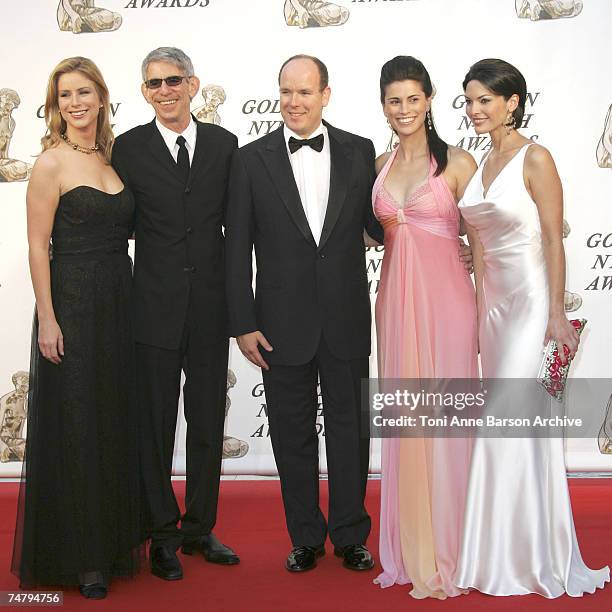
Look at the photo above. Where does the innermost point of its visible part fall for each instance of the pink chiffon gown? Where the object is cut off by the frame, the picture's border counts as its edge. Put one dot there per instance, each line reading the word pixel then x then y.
pixel 426 328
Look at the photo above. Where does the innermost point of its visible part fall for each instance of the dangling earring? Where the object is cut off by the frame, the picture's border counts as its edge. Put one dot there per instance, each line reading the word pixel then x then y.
pixel 429 122
pixel 393 141
pixel 510 123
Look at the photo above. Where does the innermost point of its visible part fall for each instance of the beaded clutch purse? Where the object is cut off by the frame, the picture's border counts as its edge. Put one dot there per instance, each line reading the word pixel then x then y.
pixel 553 374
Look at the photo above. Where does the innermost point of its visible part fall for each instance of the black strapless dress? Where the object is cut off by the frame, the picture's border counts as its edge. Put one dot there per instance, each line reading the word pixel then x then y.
pixel 79 506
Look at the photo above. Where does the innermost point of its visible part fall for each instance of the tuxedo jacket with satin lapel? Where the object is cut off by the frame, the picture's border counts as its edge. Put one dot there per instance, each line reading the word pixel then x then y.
pixel 179 255
pixel 302 290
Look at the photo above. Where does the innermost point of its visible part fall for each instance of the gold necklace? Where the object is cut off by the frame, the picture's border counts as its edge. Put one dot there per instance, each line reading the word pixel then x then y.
pixel 78 147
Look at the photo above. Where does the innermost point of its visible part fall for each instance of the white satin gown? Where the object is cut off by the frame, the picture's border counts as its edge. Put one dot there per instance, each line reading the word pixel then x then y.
pixel 518 535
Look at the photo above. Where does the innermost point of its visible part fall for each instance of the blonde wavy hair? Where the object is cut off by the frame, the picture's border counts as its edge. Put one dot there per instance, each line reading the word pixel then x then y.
pixel 56 125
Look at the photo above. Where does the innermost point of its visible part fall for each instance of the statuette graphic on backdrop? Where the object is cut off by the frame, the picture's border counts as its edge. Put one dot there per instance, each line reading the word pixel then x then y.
pixel 13 418
pixel 214 96
pixel 547 9
pixel 233 448
pixel 10 169
pixel 83 16
pixel 572 301
pixel 604 147
pixel 605 433
pixel 314 13
pixel 566 229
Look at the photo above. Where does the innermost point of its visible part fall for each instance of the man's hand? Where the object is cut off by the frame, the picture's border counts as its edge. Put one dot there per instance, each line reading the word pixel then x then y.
pixel 465 255
pixel 249 345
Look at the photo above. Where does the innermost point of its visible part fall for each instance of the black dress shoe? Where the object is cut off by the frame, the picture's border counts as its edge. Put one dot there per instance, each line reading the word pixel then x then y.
pixel 165 563
pixel 356 557
pixel 212 549
pixel 97 590
pixel 92 585
pixel 303 558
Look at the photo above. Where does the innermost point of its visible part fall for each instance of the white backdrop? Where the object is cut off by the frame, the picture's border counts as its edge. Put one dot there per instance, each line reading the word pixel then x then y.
pixel 561 46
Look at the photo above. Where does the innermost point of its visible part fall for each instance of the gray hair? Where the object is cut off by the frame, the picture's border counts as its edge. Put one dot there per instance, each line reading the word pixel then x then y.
pixel 168 54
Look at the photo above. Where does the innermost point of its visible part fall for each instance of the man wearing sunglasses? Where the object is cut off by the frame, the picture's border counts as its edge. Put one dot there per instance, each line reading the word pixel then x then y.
pixel 177 169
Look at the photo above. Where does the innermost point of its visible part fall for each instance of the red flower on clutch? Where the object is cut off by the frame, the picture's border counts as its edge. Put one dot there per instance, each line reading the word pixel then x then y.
pixel 553 374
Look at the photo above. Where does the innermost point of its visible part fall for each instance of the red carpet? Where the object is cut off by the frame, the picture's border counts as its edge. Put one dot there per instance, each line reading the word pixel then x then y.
pixel 251 521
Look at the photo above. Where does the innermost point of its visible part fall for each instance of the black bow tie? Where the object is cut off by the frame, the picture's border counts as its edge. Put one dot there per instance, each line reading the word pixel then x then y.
pixel 315 143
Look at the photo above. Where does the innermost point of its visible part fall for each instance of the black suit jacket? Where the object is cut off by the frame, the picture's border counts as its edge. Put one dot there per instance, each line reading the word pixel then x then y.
pixel 302 290
pixel 179 257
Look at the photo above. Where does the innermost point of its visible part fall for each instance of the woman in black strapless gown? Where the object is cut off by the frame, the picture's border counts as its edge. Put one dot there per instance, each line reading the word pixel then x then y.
pixel 79 513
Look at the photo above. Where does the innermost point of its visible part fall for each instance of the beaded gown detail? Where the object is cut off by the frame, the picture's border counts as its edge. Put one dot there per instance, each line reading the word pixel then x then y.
pixel 519 534
pixel 426 328
pixel 79 506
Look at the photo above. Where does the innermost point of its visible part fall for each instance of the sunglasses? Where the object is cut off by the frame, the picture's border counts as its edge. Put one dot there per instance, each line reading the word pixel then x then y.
pixel 171 81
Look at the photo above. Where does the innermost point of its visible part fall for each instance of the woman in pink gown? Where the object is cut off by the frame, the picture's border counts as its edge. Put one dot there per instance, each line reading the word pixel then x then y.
pixel 426 328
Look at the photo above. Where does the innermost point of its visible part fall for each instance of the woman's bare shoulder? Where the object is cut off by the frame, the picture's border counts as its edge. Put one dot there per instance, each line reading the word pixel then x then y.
pixel 538 156
pixel 461 159
pixel 48 160
pixel 47 165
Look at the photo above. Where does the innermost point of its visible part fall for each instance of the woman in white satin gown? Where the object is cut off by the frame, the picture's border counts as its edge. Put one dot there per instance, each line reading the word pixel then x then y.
pixel 518 534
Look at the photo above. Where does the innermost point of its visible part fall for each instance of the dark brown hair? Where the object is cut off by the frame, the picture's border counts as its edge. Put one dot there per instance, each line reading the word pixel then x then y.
pixel 408 68
pixel 502 79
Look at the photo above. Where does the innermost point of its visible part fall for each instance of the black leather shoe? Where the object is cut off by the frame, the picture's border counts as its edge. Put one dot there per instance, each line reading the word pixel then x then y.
pixel 97 590
pixel 356 557
pixel 165 563
pixel 304 558
pixel 92 585
pixel 212 549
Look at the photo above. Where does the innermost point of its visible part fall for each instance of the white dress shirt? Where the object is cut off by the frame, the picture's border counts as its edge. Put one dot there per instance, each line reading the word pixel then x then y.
pixel 190 134
pixel 311 170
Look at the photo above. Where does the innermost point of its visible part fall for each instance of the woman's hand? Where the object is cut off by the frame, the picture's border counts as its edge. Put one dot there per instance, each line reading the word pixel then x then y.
pixel 51 341
pixel 564 334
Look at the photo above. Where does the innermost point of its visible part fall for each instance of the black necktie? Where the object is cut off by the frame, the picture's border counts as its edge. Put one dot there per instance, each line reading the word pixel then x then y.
pixel 182 160
pixel 315 143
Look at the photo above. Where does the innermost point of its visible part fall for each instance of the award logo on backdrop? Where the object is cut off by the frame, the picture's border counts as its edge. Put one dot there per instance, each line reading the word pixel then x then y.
pixel 166 3
pixel 83 16
pixel 263 429
pixel 256 112
pixel 13 418
pixel 602 261
pixel 262 108
pixel 374 257
pixel 483 143
pixel 214 96
pixel 547 9
pixel 233 448
pixel 314 13
pixel 604 147
pixel 10 169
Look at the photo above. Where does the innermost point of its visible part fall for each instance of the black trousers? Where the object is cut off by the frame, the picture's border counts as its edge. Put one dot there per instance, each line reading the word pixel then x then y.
pixel 291 396
pixel 159 375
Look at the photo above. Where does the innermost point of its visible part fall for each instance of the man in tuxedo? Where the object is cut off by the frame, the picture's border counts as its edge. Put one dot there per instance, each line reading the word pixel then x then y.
pixel 177 168
pixel 302 196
